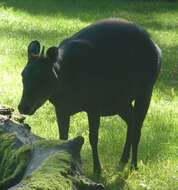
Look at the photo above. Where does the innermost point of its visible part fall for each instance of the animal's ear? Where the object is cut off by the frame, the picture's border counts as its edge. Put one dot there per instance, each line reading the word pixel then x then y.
pixel 52 53
pixel 33 49
pixel 42 51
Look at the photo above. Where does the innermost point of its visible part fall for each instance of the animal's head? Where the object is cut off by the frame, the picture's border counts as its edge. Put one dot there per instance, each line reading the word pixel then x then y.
pixel 38 77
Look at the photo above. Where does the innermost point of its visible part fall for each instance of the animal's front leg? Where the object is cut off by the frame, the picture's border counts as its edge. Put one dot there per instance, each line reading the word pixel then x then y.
pixel 63 121
pixel 94 122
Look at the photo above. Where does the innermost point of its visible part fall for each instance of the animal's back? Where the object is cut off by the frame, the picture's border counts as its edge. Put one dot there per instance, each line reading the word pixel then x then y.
pixel 120 48
pixel 123 60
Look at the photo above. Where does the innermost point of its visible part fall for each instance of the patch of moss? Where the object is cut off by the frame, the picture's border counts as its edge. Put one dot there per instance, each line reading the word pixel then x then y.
pixel 48 143
pixel 14 158
pixel 52 174
pixel 56 169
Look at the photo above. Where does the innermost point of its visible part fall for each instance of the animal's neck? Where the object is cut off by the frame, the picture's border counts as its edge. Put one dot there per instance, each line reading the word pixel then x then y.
pixel 54 80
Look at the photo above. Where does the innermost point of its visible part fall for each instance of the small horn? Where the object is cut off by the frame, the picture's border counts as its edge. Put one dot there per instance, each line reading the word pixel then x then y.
pixel 42 51
pixel 34 49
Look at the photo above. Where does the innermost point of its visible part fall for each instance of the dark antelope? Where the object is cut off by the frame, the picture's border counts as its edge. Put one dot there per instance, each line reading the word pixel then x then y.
pixel 107 68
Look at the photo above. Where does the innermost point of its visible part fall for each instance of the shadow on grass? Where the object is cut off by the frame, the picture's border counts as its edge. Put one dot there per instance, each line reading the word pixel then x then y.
pixel 89 10
pixel 146 14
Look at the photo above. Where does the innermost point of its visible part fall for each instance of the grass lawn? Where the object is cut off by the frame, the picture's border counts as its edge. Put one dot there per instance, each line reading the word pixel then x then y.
pixel 51 21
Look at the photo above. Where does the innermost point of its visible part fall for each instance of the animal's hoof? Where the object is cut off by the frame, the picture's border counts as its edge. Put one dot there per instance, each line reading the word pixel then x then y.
pixel 133 167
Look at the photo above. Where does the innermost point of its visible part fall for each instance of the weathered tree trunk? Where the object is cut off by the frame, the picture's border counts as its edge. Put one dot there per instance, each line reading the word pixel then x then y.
pixel 29 162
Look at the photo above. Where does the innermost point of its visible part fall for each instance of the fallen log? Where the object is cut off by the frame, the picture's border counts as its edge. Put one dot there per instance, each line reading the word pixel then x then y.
pixel 29 162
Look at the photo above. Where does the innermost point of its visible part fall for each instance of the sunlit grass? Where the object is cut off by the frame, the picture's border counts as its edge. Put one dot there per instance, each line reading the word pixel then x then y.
pixel 51 22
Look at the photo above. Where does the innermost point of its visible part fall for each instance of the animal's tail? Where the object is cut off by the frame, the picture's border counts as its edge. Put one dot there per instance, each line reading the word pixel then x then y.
pixel 158 60
pixel 159 56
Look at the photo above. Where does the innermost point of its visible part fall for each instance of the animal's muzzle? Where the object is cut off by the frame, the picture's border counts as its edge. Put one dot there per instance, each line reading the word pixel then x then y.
pixel 24 109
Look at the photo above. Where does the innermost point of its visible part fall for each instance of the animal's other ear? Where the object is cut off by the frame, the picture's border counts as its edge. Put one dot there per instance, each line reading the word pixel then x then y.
pixel 33 50
pixel 52 53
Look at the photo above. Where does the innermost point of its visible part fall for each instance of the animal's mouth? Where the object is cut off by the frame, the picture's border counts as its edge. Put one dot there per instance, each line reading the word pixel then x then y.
pixel 30 112
pixel 27 109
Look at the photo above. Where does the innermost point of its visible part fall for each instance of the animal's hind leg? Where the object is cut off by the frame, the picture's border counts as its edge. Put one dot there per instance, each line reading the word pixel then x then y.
pixel 94 122
pixel 127 116
pixel 141 106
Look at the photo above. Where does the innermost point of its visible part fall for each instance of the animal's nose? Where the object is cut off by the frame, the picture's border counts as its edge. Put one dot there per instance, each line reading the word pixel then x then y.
pixel 23 109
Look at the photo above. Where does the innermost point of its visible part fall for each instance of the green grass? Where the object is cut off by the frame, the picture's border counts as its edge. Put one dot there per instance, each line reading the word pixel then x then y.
pixel 52 21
